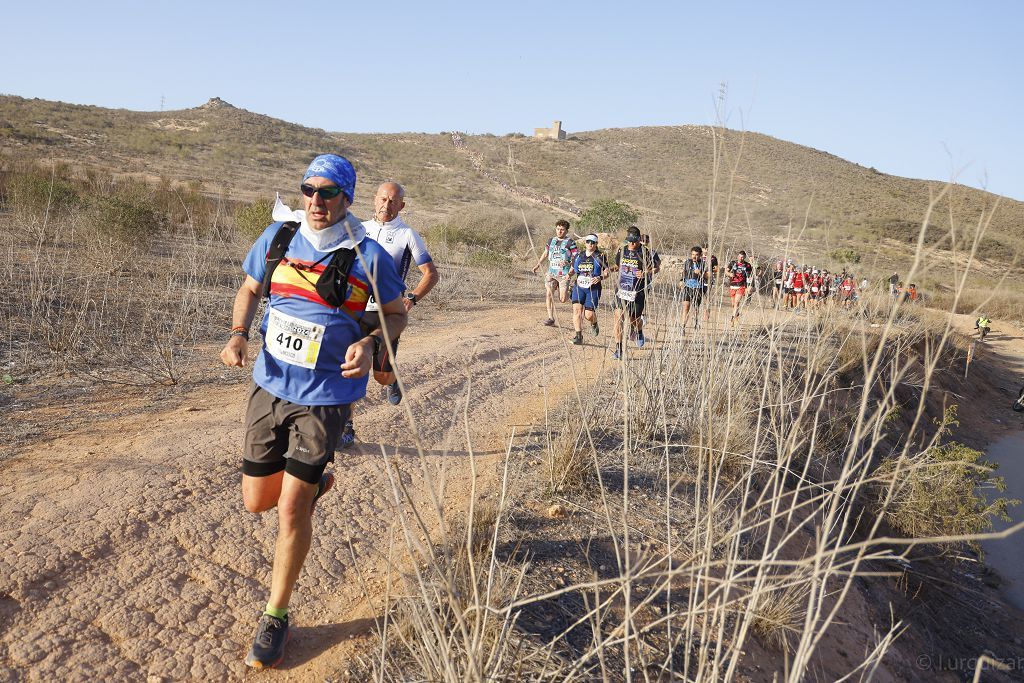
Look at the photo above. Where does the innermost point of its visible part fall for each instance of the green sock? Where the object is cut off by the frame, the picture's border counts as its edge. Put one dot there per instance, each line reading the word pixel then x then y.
pixel 277 612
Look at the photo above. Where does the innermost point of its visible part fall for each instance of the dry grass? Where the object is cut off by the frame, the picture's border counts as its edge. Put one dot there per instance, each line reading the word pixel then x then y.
pixel 778 615
pixel 112 288
pixel 738 482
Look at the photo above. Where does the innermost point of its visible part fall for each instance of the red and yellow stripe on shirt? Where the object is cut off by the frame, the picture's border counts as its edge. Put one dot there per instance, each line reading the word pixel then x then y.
pixel 289 281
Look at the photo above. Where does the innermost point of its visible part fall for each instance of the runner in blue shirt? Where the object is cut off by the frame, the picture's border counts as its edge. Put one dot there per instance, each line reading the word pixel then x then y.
pixel 313 363
pixel 586 293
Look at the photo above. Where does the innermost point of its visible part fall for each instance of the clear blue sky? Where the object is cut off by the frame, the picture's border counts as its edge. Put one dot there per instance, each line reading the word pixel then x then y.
pixel 925 89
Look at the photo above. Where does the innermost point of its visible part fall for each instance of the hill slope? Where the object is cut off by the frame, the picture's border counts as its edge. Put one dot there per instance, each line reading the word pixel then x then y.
pixel 761 184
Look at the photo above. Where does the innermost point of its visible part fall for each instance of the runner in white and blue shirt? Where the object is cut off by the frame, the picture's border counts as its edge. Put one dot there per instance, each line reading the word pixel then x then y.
pixel 694 283
pixel 560 252
pixel 406 248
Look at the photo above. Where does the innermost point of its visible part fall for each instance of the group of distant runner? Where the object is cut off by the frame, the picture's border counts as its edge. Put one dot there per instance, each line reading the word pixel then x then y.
pixel 579 276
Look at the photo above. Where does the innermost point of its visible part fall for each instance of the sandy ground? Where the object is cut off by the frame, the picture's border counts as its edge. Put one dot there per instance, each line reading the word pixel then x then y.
pixel 127 553
pixel 992 381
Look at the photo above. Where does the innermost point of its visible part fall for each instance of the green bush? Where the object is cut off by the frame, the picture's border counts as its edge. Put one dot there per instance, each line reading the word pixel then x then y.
pixel 130 218
pixel 607 215
pixel 941 491
pixel 36 193
pixel 253 218
pixel 844 255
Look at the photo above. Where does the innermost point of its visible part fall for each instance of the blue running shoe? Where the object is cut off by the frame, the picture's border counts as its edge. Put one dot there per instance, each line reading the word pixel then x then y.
pixel 268 645
pixel 616 355
pixel 394 393
pixel 640 341
pixel 347 437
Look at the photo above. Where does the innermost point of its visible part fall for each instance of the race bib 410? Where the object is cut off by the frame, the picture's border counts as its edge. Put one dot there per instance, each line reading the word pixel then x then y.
pixel 293 340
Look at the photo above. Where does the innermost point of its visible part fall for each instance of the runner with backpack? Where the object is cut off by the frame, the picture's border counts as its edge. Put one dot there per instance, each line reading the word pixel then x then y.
pixel 314 271
pixel 694 283
pixel 636 265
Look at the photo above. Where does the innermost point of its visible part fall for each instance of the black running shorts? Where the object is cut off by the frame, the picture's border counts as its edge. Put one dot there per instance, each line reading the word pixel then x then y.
pixel 281 435
pixel 634 308
pixel 693 294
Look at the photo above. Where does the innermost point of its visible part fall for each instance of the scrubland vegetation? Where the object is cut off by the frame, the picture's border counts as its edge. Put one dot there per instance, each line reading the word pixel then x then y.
pixel 718 490
pixel 120 282
pixel 703 510
pixel 718 496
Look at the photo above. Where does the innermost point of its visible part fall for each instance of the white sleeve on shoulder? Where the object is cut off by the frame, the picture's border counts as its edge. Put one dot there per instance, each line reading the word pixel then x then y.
pixel 420 255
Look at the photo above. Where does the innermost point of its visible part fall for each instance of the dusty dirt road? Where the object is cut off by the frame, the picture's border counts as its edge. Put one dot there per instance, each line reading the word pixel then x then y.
pixel 127 554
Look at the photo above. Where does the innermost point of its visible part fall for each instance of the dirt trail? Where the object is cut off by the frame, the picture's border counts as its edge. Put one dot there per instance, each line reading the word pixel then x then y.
pixel 127 555
pixel 993 379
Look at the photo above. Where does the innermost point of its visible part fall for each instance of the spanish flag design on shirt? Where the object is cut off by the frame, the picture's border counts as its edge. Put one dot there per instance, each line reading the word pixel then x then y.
pixel 298 278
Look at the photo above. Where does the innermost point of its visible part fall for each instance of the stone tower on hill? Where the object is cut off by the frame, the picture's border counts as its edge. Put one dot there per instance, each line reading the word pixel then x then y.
pixel 555 132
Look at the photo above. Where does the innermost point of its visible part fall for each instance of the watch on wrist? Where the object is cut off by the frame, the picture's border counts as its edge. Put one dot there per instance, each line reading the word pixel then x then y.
pixel 411 296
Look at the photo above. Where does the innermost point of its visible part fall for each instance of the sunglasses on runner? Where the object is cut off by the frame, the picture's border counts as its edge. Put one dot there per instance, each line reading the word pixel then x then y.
pixel 591 242
pixel 328 192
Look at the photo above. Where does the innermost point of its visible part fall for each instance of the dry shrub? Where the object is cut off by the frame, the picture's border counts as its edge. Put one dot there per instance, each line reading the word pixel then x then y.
pixel 116 292
pixel 445 632
pixel 570 459
pixel 1005 303
pixel 128 218
pixel 499 230
pixel 39 198
pixel 778 614
pixel 941 490
pixel 253 218
pixel 453 623
pixel 476 532
pixel 758 452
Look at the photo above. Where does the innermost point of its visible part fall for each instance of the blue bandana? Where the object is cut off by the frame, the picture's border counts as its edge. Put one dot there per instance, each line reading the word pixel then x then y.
pixel 336 169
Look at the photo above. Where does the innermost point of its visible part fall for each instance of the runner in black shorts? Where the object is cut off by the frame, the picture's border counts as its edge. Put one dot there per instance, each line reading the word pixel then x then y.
pixel 312 269
pixel 694 284
pixel 636 264
pixel 285 436
pixel 406 248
